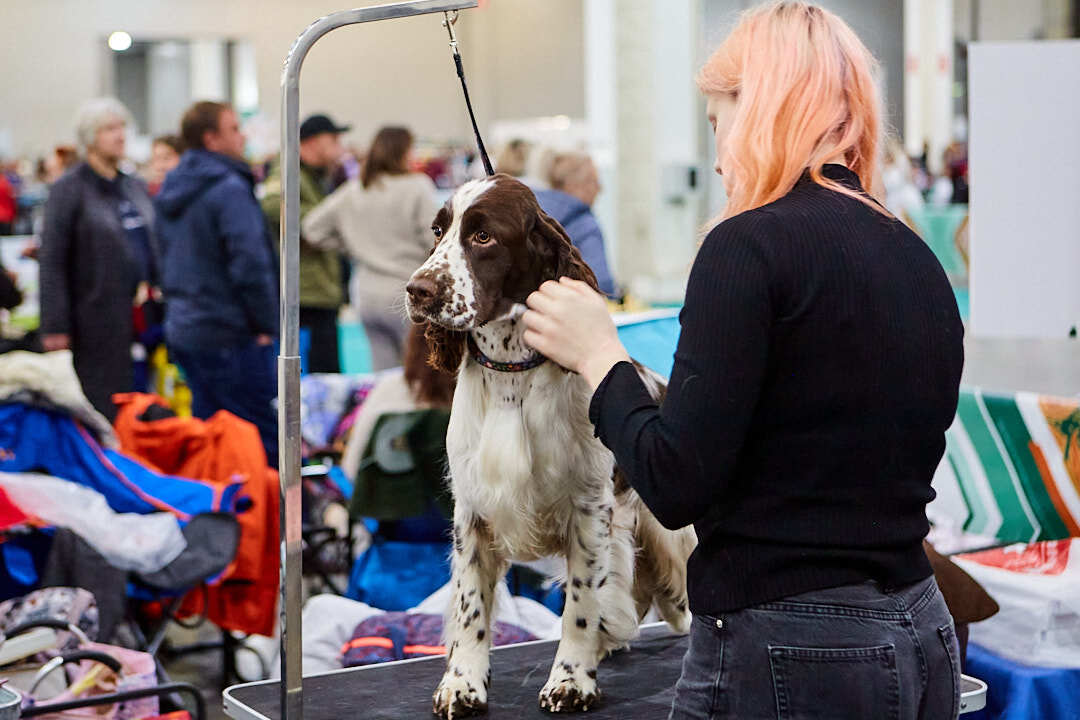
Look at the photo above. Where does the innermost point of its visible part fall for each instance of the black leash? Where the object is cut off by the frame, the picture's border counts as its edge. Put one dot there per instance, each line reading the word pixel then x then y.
pixel 448 23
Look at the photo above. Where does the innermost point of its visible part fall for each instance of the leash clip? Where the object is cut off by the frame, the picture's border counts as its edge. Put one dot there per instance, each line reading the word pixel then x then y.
pixel 450 17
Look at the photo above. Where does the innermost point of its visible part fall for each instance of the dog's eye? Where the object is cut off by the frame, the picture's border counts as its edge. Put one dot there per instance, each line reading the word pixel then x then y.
pixel 437 231
pixel 482 237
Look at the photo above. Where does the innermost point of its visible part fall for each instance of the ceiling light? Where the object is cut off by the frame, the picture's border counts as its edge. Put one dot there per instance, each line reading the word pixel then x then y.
pixel 119 41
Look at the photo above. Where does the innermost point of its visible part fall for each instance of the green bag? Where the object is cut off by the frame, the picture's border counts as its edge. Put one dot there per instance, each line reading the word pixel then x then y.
pixel 403 468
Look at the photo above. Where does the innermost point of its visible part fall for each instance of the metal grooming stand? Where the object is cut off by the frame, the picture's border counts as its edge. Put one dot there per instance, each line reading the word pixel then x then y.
pixel 292 691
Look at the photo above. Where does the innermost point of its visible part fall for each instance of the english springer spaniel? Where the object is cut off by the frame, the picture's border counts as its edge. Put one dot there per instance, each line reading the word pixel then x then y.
pixel 529 478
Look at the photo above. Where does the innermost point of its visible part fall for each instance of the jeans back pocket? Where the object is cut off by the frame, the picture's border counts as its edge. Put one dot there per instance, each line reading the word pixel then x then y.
pixel 814 683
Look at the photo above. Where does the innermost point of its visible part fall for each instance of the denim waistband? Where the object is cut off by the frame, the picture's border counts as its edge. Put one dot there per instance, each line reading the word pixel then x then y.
pixel 868 599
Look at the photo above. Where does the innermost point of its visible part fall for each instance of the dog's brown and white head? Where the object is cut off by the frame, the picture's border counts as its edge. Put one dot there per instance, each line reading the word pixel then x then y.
pixel 493 246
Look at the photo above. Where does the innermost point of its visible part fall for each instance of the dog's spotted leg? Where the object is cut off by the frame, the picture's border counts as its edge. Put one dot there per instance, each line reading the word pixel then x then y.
pixel 476 568
pixel 663 555
pixel 571 686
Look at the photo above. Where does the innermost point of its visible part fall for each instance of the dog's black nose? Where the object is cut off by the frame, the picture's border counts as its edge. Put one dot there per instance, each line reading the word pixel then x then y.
pixel 421 289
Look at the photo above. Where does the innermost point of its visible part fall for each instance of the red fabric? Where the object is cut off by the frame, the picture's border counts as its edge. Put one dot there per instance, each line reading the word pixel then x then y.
pixel 221 450
pixel 7 200
pixel 10 513
pixel 1049 557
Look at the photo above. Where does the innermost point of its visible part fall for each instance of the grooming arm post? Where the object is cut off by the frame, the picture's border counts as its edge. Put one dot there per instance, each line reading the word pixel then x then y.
pixel 289 360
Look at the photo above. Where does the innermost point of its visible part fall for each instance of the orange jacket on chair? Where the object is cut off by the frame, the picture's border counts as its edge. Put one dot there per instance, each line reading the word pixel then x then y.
pixel 224 449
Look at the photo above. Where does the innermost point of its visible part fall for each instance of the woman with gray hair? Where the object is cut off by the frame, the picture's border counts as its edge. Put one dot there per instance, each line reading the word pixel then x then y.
pixel 97 252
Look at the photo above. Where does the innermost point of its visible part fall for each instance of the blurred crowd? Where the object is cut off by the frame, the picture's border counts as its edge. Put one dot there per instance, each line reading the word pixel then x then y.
pixel 909 185
pixel 178 254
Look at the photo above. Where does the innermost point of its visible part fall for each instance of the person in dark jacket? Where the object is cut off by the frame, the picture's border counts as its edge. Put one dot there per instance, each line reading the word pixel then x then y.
pixel 574 187
pixel 219 274
pixel 97 247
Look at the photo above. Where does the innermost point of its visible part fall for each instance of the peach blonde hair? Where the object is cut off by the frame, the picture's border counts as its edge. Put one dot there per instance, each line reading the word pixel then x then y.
pixel 804 96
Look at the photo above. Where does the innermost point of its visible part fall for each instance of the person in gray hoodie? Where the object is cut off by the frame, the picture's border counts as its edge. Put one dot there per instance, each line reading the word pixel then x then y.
pixel 219 273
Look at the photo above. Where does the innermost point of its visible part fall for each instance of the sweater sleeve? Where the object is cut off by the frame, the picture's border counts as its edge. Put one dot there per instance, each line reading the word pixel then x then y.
pixel 320 227
pixel 681 457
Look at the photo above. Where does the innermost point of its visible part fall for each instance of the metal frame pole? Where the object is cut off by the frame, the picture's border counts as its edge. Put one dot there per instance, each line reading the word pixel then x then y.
pixel 292 692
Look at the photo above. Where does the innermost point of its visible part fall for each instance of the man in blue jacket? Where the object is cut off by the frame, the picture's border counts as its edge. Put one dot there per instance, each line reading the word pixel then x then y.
pixel 219 274
pixel 574 187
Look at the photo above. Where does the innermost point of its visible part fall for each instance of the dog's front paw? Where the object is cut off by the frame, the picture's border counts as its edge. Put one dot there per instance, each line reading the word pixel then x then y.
pixel 458 697
pixel 570 689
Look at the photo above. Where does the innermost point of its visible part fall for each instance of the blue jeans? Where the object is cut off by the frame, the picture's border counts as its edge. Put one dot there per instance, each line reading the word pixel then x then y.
pixel 241 380
pixel 857 651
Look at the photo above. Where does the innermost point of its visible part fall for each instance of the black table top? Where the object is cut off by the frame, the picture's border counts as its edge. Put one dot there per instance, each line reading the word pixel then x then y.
pixel 635 684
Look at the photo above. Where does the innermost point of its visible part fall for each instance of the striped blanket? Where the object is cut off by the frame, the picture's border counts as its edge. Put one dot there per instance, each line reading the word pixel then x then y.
pixel 1011 469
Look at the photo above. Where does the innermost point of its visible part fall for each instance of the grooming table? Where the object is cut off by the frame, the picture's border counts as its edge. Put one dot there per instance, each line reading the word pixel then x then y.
pixel 635 684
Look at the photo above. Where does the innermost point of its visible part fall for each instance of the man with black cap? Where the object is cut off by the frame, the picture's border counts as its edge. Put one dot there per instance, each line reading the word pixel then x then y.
pixel 321 288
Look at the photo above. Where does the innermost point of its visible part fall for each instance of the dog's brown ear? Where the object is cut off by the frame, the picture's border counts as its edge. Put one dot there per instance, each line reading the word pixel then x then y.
pixel 446 348
pixel 565 259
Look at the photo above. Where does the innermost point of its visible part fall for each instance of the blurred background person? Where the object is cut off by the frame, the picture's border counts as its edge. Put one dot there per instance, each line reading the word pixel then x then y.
pixel 538 167
pixel 165 154
pixel 322 291
pixel 7 205
pixel 10 294
pixel 219 274
pixel 348 167
pixel 528 162
pixel 59 161
pixel 383 221
pixel 574 187
pixel 956 170
pixel 11 297
pixel 902 196
pixel 414 386
pixel 49 169
pixel 97 247
pixel 512 157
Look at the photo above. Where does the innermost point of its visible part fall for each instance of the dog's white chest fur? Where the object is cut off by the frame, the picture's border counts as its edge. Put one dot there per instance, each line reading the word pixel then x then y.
pixel 521 448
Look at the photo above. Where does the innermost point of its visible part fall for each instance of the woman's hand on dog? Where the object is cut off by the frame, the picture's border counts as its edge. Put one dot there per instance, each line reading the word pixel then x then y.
pixel 568 322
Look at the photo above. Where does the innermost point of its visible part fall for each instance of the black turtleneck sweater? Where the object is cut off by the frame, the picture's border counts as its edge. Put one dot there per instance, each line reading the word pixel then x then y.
pixel 816 373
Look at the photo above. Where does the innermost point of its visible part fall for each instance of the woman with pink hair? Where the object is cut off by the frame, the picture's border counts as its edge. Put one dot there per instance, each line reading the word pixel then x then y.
pixel 817 370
